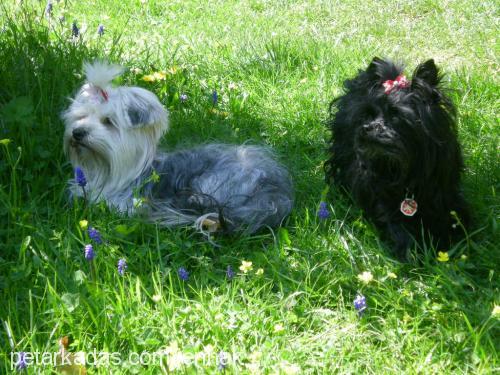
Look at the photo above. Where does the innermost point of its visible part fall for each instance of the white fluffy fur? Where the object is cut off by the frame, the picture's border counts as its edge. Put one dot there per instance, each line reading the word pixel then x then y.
pixel 101 74
pixel 113 137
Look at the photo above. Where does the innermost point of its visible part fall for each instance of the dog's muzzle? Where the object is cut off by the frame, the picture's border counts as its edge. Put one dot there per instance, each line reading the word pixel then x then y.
pixel 79 134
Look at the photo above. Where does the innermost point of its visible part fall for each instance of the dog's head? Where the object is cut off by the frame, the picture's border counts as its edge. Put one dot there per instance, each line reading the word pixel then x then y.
pixel 396 121
pixel 112 132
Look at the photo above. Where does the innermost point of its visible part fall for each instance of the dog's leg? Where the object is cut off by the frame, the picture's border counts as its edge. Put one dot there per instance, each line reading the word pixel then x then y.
pixel 401 240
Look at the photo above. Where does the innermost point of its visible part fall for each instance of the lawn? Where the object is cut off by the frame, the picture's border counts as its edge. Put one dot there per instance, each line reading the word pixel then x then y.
pixel 275 66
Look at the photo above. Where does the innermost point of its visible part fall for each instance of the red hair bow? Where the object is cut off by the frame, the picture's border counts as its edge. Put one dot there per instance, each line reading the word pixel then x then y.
pixel 399 83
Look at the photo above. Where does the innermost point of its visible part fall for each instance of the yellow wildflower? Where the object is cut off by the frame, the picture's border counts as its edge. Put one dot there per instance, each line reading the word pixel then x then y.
pixel 259 272
pixel 156 76
pixel 496 312
pixel 245 266
pixel 443 256
pixel 5 141
pixel 392 275
pixel 83 224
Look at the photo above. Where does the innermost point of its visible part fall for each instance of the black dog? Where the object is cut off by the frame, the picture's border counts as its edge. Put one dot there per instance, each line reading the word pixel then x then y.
pixel 394 148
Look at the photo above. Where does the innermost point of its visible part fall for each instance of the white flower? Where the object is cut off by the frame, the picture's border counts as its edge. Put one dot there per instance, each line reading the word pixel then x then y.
pixel 176 361
pixel 289 368
pixel 365 277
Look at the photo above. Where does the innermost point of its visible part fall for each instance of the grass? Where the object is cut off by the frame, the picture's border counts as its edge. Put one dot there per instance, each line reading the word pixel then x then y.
pixel 276 65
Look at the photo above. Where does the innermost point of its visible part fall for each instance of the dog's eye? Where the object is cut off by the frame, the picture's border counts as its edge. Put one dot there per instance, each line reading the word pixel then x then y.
pixel 107 121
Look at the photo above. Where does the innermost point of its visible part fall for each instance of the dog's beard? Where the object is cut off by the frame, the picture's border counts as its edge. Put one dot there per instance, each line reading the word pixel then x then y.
pixel 112 159
pixel 382 155
pixel 92 154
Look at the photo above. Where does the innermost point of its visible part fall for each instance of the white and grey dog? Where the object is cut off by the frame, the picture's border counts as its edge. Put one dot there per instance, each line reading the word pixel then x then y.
pixel 112 134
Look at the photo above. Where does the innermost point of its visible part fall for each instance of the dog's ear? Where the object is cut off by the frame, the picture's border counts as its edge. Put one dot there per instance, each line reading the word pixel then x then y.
pixel 381 70
pixel 372 68
pixel 144 108
pixel 426 72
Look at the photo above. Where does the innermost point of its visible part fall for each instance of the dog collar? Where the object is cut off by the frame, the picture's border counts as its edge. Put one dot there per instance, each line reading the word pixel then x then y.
pixel 399 83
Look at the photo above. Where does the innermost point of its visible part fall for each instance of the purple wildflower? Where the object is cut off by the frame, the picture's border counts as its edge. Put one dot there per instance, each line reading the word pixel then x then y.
pixel 21 364
pixel 360 304
pixel 100 30
pixel 75 31
pixel 215 97
pixel 222 359
pixel 89 252
pixel 80 177
pixel 183 97
pixel 122 266
pixel 229 272
pixel 183 274
pixel 48 9
pixel 323 212
pixel 95 235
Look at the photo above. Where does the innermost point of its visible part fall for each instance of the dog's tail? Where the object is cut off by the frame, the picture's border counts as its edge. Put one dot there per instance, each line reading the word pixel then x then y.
pixel 101 73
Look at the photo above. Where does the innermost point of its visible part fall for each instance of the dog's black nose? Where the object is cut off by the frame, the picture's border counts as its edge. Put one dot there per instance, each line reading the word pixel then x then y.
pixel 79 134
pixel 377 126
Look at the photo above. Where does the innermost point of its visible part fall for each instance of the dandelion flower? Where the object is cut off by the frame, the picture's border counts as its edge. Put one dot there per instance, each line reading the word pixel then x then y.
pixel 89 252
pixel 245 266
pixel 443 256
pixel 365 277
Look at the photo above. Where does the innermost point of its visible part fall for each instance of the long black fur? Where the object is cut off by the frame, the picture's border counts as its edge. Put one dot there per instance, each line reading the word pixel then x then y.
pixel 386 147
